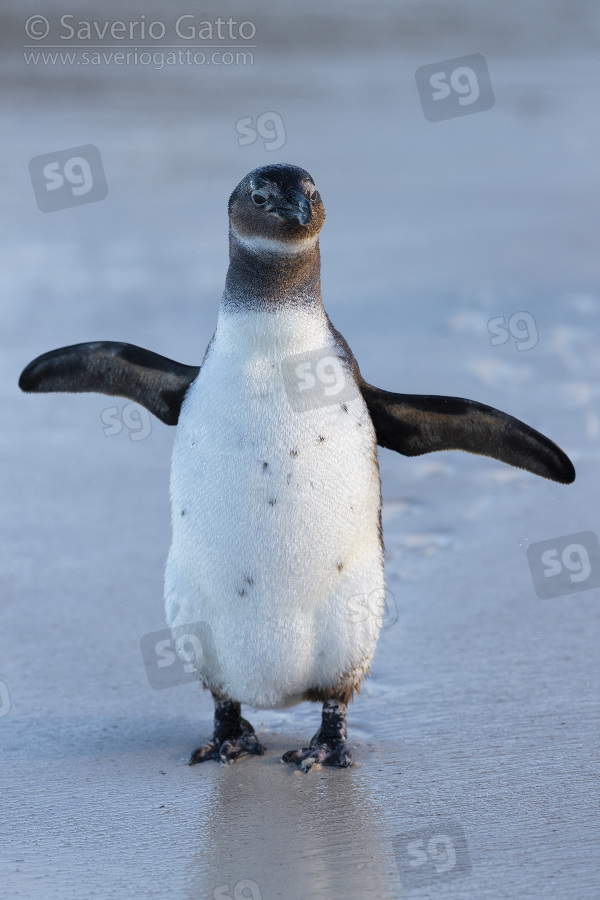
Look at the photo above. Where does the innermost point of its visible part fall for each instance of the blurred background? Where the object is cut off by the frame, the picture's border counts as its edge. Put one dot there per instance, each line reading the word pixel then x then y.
pixel 481 710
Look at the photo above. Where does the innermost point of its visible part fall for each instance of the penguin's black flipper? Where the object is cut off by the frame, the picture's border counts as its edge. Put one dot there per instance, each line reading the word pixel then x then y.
pixel 121 370
pixel 413 424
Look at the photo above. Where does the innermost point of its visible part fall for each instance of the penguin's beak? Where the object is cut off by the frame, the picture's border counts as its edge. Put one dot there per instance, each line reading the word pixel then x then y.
pixel 294 208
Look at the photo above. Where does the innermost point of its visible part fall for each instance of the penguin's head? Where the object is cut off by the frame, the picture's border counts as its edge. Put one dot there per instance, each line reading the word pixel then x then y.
pixel 276 209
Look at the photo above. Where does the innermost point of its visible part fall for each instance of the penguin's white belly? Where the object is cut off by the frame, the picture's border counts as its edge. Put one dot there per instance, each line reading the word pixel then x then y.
pixel 275 521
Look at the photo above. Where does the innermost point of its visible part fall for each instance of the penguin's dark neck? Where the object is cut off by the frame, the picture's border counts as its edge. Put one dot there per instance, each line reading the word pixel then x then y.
pixel 268 280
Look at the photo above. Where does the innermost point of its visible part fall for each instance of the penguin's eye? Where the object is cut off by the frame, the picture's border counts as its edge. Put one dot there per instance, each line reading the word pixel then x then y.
pixel 314 197
pixel 258 198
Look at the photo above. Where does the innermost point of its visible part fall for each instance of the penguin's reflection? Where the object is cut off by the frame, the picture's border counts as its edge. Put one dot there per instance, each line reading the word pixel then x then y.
pixel 273 832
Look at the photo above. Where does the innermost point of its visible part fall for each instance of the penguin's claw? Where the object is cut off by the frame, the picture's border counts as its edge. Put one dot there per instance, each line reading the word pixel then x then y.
pixel 245 745
pixel 337 754
pixel 227 752
pixel 209 750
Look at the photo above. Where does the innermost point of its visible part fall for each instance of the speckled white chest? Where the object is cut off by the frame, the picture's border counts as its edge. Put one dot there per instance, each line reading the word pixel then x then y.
pixel 275 517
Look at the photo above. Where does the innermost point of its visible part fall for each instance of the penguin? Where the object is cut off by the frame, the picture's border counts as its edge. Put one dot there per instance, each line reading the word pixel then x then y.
pixel 275 486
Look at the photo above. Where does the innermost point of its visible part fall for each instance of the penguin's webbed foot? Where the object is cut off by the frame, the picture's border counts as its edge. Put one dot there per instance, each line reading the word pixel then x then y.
pixel 324 753
pixel 328 747
pixel 234 737
pixel 245 744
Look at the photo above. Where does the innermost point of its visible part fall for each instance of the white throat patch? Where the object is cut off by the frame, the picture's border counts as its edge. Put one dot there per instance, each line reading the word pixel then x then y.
pixel 258 244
